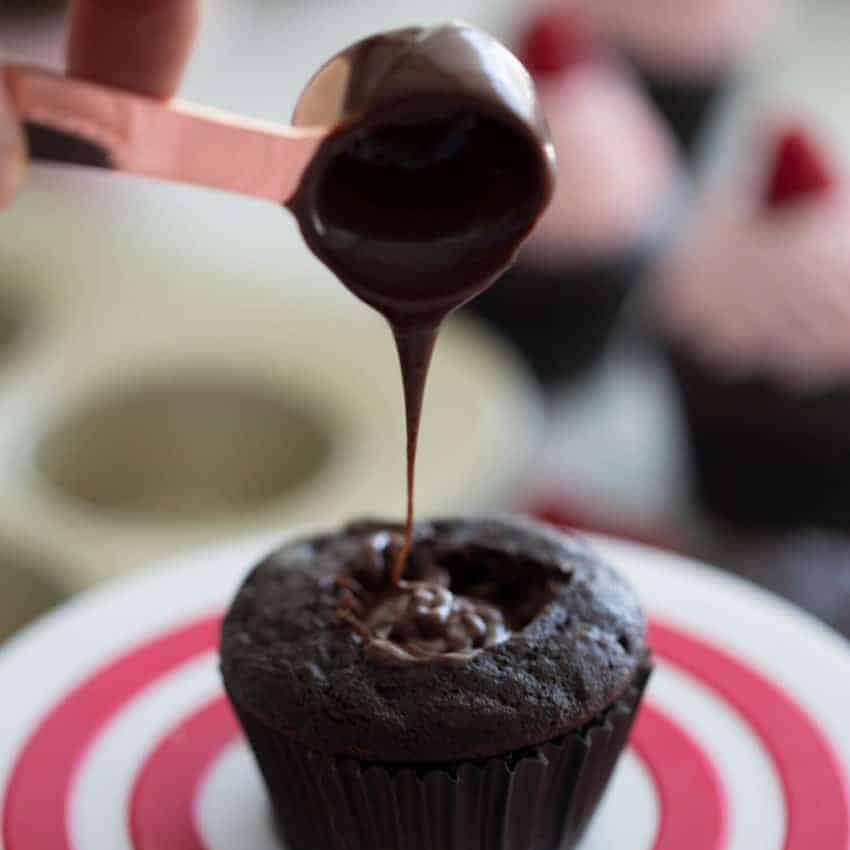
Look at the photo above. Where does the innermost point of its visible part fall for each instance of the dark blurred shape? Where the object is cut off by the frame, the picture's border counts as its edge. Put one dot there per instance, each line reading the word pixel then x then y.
pixel 689 107
pixel 810 568
pixel 765 457
pixel 26 590
pixel 54 146
pixel 190 447
pixel 562 320
pixel 30 8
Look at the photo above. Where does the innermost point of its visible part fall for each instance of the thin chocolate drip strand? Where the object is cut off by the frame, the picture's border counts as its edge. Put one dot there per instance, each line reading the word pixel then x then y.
pixel 415 345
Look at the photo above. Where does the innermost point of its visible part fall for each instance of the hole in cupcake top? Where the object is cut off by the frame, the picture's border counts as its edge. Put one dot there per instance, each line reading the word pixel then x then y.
pixel 454 601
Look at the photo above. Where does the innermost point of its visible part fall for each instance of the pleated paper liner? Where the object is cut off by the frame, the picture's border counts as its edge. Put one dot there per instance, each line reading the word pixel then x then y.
pixel 541 798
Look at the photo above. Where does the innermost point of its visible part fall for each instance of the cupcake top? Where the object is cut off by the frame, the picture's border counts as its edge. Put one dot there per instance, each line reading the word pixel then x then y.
pixel 617 165
pixel 761 286
pixel 504 634
pixel 692 37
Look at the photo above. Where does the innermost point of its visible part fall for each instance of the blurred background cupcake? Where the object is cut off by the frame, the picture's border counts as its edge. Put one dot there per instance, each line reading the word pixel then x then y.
pixel 690 53
pixel 619 183
pixel 755 311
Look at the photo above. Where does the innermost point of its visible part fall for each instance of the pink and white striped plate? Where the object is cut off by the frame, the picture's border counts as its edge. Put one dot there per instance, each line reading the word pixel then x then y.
pixel 114 734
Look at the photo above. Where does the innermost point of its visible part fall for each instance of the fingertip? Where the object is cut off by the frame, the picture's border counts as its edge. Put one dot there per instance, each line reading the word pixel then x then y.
pixel 139 45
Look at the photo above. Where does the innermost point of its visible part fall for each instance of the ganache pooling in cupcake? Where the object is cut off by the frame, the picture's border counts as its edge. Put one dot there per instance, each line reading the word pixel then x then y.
pixel 438 612
pixel 438 167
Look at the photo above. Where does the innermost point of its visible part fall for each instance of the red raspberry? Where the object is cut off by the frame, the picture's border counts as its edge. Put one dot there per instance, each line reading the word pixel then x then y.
pixel 553 42
pixel 799 169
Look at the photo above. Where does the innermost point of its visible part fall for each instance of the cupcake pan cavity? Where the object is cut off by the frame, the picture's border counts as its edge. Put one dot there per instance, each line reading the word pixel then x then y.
pixel 191 446
pixel 171 384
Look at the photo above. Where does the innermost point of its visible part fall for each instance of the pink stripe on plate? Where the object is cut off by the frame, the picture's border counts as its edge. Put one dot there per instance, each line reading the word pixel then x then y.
pixel 813 780
pixel 693 807
pixel 163 805
pixel 38 795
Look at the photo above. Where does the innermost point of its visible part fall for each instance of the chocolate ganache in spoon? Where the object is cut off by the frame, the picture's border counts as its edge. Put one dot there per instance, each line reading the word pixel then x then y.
pixel 438 167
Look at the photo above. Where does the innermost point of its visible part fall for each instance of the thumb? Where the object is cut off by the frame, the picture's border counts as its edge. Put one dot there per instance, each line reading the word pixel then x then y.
pixel 13 149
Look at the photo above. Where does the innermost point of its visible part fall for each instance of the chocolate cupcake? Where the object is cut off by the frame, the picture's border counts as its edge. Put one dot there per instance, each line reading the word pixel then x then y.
pixel 618 187
pixel 480 704
pixel 690 53
pixel 755 310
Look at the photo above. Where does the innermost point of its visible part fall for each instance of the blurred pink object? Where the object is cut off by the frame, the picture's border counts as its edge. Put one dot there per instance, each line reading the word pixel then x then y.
pixel 761 285
pixel 700 37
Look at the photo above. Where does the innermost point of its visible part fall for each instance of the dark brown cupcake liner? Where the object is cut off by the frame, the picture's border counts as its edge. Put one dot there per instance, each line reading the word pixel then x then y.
pixel 541 798
pixel 562 317
pixel 689 106
pixel 764 458
pixel 561 320
pixel 689 101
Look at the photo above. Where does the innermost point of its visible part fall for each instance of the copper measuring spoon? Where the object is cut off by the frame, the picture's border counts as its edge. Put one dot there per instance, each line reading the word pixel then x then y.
pixel 170 140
